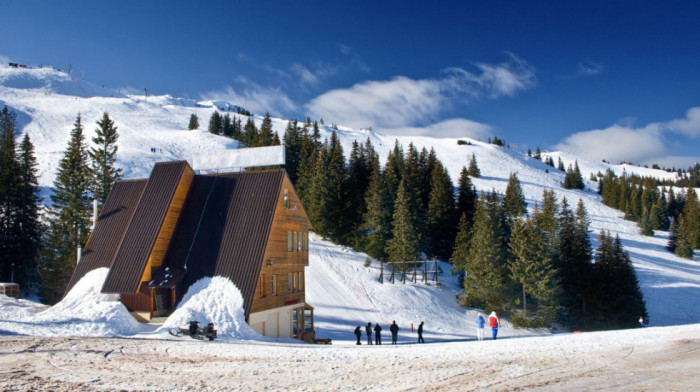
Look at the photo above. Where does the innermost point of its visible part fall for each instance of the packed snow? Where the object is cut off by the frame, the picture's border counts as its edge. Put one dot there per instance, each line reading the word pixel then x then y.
pixel 344 292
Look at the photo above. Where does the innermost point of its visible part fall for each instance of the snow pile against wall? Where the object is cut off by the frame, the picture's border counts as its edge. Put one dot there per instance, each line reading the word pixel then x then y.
pixel 83 312
pixel 215 300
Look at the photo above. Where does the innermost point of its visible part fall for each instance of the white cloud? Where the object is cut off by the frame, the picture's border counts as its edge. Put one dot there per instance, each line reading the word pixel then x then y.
pixel 454 127
pixel 354 57
pixel 623 142
pixel 617 143
pixel 689 126
pixel 403 102
pixel 255 98
pixel 4 60
pixel 306 77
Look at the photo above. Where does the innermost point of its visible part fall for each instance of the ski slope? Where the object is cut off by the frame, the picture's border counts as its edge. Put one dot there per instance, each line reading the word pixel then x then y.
pixel 48 101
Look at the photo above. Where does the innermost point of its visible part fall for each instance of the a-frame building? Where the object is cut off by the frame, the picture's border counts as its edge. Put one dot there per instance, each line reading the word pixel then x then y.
pixel 161 234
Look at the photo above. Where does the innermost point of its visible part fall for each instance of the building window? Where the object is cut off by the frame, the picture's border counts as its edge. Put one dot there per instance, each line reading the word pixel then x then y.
pixel 306 241
pixel 289 241
pixel 295 281
pixel 289 281
pixel 274 285
pixel 261 284
pixel 301 281
pixel 300 242
pixel 286 199
pixel 295 242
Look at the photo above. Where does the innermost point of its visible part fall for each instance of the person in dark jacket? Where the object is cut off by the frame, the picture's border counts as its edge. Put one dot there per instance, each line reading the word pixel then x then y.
pixel 394 332
pixel 368 329
pixel 358 333
pixel 378 333
pixel 420 333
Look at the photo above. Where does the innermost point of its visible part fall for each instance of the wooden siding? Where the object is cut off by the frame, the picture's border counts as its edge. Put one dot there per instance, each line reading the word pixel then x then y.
pixel 277 260
pixel 138 302
pixel 165 234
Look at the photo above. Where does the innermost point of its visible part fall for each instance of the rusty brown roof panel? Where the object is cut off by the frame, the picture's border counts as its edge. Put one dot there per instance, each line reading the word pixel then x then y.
pixel 111 225
pixel 136 247
pixel 224 228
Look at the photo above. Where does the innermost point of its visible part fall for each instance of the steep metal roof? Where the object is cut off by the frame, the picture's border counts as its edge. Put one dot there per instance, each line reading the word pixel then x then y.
pixel 224 228
pixel 111 225
pixel 132 257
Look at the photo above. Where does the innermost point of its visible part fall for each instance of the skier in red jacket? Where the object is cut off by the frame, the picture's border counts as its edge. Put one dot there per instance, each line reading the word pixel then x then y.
pixel 495 323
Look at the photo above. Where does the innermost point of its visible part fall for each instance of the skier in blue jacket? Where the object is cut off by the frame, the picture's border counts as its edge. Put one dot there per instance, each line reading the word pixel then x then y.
pixel 480 327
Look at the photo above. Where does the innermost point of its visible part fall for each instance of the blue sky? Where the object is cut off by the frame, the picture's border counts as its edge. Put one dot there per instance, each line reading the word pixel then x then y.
pixel 616 80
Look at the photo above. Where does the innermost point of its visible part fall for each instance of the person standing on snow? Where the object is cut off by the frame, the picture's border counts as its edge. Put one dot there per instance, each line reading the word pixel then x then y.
pixel 368 329
pixel 358 333
pixel 641 322
pixel 378 334
pixel 420 333
pixel 495 323
pixel 394 332
pixel 480 327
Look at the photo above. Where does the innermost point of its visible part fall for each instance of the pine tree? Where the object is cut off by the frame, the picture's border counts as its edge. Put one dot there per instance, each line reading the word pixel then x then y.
pixel 461 249
pixel 466 197
pixel 250 133
pixel 538 154
pixel 531 268
pixel 573 264
pixel 684 244
pixel 672 236
pixel 546 220
pixel 69 218
pixel 293 140
pixel 404 245
pixel 514 201
pixel 573 178
pixel 376 222
pixel 484 281
pixel 645 223
pixel 215 123
pixel 623 301
pixel 9 198
pixel 689 229
pixel 227 125
pixel 442 215
pixel 194 122
pixel 659 214
pixel 266 133
pixel 560 165
pixel 30 225
pixel 103 157
pixel 473 170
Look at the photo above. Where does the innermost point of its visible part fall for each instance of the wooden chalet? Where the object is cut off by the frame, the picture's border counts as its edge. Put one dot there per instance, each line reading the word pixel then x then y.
pixel 161 234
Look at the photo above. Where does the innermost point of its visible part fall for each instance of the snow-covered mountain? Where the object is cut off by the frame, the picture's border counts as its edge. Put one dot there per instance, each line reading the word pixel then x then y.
pixel 48 101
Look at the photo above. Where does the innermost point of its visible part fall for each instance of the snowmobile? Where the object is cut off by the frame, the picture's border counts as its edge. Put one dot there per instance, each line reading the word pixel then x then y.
pixel 195 332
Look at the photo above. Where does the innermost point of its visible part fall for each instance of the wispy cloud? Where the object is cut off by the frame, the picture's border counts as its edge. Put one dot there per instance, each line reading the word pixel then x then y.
pixel 4 60
pixel 255 98
pixel 589 68
pixel 405 102
pixel 454 127
pixel 624 142
pixel 354 58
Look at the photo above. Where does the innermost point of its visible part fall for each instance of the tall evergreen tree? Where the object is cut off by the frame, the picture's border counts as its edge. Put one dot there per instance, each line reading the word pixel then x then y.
pixel 532 270
pixel 442 214
pixel 514 201
pixel 376 222
pixel 484 281
pixel 293 140
pixel 573 178
pixel 69 218
pixel 623 301
pixel 194 122
pixel 29 223
pixel 9 197
pixel 216 123
pixel 266 136
pixel 461 249
pixel 250 133
pixel 473 169
pixel 103 156
pixel 466 197
pixel 672 236
pixel 405 243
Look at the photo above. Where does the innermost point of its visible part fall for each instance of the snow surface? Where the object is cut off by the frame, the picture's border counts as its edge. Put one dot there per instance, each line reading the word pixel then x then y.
pixel 48 101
